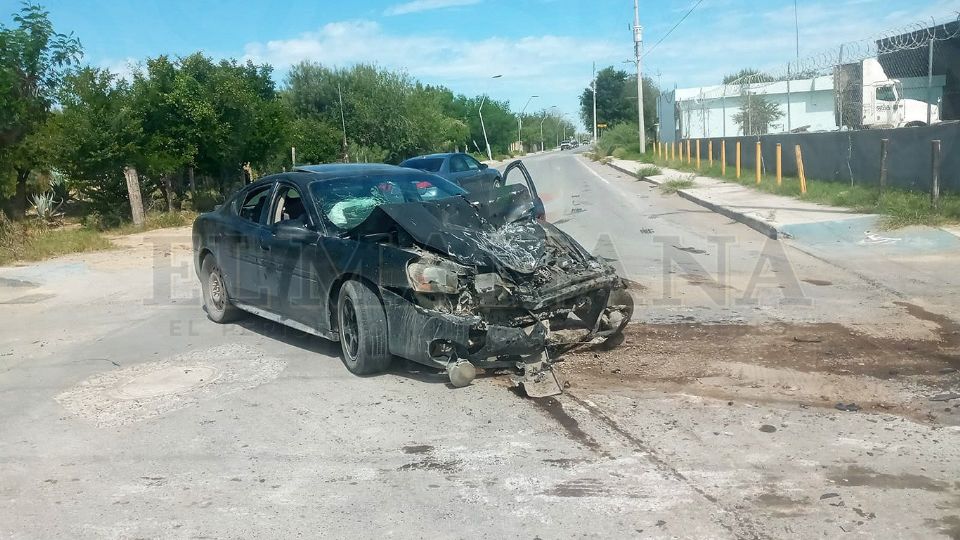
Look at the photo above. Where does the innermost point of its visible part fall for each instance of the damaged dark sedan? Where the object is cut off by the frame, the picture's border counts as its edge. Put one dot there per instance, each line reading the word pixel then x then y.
pixel 392 261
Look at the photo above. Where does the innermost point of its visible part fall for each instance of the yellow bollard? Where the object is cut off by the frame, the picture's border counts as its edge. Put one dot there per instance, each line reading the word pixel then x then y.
pixel 759 161
pixel 779 166
pixel 723 158
pixel 688 151
pixel 710 152
pixel 738 160
pixel 803 178
pixel 673 149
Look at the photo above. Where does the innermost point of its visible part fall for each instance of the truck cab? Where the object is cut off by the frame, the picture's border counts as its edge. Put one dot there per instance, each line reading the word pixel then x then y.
pixel 884 104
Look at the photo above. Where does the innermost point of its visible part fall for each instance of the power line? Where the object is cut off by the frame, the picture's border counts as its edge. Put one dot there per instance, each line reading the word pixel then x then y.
pixel 665 36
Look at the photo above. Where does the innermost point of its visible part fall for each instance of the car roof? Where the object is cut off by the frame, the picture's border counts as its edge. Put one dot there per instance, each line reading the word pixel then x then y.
pixel 437 155
pixel 305 174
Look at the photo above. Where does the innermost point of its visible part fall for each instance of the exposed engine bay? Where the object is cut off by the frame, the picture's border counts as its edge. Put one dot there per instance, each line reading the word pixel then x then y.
pixel 494 286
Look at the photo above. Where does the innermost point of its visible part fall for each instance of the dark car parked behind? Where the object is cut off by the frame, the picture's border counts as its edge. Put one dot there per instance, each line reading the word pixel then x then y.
pixel 459 168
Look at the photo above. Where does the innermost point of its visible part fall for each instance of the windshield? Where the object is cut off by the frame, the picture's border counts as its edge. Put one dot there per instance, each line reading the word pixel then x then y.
pixel 346 202
pixel 424 164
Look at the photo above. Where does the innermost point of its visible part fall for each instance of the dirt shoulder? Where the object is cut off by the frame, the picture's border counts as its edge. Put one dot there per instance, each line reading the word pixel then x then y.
pixel 812 365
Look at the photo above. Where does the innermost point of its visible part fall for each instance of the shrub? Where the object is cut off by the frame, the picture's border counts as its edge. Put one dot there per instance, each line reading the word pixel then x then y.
pixel 97 221
pixel 204 200
pixel 33 239
pixel 648 170
pixel 619 136
pixel 674 186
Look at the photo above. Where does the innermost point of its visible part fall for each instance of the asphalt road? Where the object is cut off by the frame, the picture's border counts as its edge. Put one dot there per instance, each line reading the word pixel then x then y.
pixel 125 413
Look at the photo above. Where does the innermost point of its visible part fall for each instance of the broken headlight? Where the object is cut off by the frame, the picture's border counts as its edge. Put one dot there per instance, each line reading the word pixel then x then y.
pixel 430 278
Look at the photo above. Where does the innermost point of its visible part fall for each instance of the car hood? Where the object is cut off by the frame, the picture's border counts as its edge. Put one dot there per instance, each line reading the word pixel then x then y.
pixel 476 234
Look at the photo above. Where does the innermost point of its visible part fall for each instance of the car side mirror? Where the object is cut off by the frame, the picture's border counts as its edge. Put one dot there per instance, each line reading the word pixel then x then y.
pixel 484 166
pixel 294 232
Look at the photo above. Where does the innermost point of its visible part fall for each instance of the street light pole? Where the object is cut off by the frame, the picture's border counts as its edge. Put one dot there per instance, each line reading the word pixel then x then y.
pixel 483 127
pixel 594 85
pixel 638 52
pixel 520 123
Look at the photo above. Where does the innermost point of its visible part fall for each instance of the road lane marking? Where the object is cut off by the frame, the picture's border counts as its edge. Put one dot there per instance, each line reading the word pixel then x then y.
pixel 595 173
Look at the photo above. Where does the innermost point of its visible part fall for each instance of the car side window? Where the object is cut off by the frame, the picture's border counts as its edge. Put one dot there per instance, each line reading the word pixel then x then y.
pixel 252 206
pixel 472 164
pixel 288 207
pixel 458 164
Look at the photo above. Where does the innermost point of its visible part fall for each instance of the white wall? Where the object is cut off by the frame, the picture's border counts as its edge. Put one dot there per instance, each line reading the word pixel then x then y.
pixel 714 117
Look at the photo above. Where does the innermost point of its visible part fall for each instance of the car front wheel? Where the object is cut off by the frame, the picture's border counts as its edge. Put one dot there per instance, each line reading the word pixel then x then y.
pixel 363 329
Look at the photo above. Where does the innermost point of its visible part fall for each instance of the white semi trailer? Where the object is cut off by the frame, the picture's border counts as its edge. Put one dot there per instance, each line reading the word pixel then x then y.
pixel 868 98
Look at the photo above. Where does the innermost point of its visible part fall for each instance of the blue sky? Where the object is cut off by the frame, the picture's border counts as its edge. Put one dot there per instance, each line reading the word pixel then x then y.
pixel 542 47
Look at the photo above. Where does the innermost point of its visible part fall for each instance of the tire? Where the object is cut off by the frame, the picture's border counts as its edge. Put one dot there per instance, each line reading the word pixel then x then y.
pixel 216 300
pixel 363 329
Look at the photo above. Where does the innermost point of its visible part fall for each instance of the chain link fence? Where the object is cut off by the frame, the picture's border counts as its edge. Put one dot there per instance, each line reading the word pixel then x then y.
pixel 905 77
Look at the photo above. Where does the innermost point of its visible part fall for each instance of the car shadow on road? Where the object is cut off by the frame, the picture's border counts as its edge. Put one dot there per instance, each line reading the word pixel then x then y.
pixel 400 367
pixel 318 345
pixel 290 336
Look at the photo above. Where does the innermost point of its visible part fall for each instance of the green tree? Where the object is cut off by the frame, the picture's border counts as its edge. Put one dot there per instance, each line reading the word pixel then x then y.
pixel 386 114
pixel 617 100
pixel 205 117
pixel 34 61
pixel 94 136
pixel 756 113
pixel 747 76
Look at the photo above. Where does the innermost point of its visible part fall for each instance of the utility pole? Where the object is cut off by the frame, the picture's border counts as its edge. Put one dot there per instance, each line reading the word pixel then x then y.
pixel 638 51
pixel 594 84
pixel 542 146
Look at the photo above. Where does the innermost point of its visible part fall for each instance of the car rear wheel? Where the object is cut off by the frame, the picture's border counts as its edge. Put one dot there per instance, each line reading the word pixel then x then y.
pixel 216 301
pixel 363 329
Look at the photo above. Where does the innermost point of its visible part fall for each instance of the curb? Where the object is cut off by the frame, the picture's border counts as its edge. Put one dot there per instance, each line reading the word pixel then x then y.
pixel 756 224
pixel 752 222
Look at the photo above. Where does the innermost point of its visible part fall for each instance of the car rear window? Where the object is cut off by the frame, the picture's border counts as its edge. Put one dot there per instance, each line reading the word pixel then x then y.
pixel 424 164
pixel 346 202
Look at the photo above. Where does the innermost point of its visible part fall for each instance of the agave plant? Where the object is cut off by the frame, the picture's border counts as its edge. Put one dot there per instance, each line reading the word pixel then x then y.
pixel 47 206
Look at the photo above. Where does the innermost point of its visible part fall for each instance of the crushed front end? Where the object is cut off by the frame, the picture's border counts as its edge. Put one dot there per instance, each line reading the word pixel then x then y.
pixel 491 285
pixel 545 295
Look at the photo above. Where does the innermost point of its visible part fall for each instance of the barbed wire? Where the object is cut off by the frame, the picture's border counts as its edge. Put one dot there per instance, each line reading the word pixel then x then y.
pixel 907 37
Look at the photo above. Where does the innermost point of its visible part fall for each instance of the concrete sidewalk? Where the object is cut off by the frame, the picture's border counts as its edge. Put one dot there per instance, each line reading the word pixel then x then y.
pixel 773 215
pixel 778 216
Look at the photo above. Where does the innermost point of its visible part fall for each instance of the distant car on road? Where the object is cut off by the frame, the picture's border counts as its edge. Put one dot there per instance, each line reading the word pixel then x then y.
pixel 566 145
pixel 459 168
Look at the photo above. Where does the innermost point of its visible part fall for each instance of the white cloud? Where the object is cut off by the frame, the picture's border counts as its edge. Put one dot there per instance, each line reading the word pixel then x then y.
pixel 123 69
pixel 417 6
pixel 554 67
